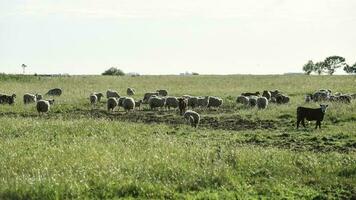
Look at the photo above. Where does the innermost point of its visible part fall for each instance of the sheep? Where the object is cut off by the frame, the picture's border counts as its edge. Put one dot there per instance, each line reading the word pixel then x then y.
pixel 54 92
pixel 321 95
pixel 193 118
pixel 242 100
pixel 262 102
pixel 193 102
pixel 162 92
pixel 252 101
pixel 171 102
pixel 274 93
pixel 39 97
pixel 98 95
pixel 156 102
pixel 246 94
pixel 267 94
pixel 353 96
pixel 215 102
pixel 343 98
pixel 7 99
pixel 128 104
pixel 93 99
pixel 138 104
pixel 182 104
pixel 147 96
pixel 29 98
pixel 282 99
pixel 308 98
pixel 130 91
pixel 43 106
pixel 203 101
pixel 112 93
pixel 111 104
pixel 120 101
pixel 311 114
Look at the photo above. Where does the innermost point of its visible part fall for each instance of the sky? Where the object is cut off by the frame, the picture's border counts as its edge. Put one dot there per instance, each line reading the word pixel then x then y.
pixel 174 36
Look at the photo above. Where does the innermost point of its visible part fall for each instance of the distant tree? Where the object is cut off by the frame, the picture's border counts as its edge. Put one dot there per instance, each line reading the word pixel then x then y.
pixel 350 69
pixel 333 62
pixel 195 73
pixel 309 67
pixel 113 71
pixel 319 67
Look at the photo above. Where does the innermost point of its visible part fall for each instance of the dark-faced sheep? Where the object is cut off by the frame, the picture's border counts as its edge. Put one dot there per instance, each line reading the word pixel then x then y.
pixel 262 102
pixel 128 104
pixel 7 99
pixel 203 101
pixel 138 104
pixel 247 94
pixel 193 118
pixel 156 102
pixel 54 92
pixel 267 94
pixel 111 104
pixel 148 95
pixel 252 101
pixel 182 104
pixel 215 102
pixel 162 92
pixel 282 99
pixel 43 106
pixel 29 98
pixel 171 102
pixel 311 114
pixel 112 93
pixel 274 93
pixel 130 91
pixel 242 100
pixel 192 102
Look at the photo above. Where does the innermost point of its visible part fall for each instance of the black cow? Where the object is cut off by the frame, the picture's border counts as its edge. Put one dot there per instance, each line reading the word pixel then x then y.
pixel 311 114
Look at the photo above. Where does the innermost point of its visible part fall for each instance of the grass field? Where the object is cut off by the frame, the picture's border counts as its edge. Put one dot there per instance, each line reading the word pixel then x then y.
pixel 75 152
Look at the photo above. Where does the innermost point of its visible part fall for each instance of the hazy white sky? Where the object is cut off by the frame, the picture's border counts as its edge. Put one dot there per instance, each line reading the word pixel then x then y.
pixel 172 36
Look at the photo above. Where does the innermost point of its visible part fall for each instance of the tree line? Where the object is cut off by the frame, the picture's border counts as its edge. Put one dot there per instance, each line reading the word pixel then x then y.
pixel 329 66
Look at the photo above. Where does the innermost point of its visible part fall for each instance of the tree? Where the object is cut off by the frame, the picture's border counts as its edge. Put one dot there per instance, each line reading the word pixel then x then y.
pixel 319 67
pixel 113 71
pixel 309 67
pixel 333 62
pixel 350 69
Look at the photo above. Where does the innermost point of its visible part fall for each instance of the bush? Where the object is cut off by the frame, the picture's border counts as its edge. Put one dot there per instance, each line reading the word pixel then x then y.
pixel 113 71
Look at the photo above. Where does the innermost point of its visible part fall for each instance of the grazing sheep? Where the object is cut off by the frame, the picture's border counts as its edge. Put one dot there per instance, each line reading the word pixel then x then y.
pixel 93 99
pixel 112 93
pixel 98 95
pixel 203 101
pixel 138 104
pixel 29 98
pixel 128 104
pixel 242 100
pixel 51 101
pixel 54 92
pixel 246 94
pixel 274 93
pixel 308 98
pixel 267 94
pixel 130 91
pixel 147 96
pixel 353 96
pixel 321 95
pixel 112 103
pixel 156 102
pixel 252 101
pixel 282 99
pixel 182 104
pixel 311 114
pixel 171 102
pixel 43 106
pixel 215 102
pixel 193 118
pixel 193 102
pixel 262 102
pixel 39 97
pixel 120 101
pixel 343 98
pixel 162 92
pixel 7 99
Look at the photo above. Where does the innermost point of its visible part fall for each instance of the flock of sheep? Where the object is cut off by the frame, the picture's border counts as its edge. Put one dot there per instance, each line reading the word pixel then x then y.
pixel 160 100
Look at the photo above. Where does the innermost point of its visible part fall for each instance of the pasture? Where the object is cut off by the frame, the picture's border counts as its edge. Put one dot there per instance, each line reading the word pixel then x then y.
pixel 76 152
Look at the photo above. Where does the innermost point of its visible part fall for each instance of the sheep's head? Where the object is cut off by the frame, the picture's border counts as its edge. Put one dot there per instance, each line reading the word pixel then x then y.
pixel 323 107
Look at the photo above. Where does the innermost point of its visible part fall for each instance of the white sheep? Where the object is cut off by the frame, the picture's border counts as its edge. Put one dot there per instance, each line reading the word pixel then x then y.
pixel 111 103
pixel 262 102
pixel 128 104
pixel 193 118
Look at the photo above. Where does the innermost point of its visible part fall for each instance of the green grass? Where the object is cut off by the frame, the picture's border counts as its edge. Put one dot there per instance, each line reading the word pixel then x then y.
pixel 78 153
